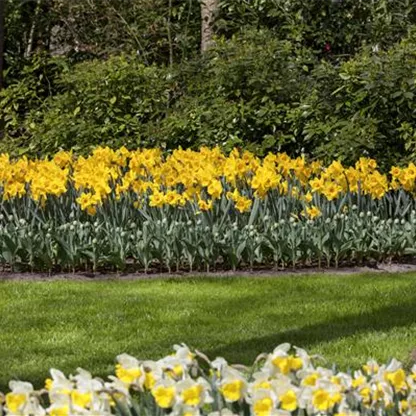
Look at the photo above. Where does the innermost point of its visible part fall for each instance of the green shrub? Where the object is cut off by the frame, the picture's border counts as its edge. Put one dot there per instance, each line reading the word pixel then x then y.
pixel 252 91
pixel 241 94
pixel 37 81
pixel 342 25
pixel 366 106
pixel 100 102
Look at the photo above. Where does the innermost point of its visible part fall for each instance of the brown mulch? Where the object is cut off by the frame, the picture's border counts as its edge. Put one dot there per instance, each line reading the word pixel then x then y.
pixel 269 273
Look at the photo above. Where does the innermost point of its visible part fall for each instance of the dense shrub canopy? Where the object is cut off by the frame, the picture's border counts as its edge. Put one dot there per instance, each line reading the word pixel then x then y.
pixel 332 79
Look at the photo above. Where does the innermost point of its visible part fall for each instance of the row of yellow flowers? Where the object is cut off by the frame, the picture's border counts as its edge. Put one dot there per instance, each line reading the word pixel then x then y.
pixel 193 176
pixel 186 383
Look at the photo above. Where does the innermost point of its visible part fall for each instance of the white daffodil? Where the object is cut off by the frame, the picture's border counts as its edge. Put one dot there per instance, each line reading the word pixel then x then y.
pixel 59 383
pixel 359 379
pixel 304 356
pixel 408 406
pixel 310 376
pixel 174 367
pixel 305 395
pixel 129 369
pixel 287 393
pixel 61 406
pixel 280 361
pixel 261 380
pixel 263 402
pixel 164 393
pixel 343 380
pixel 21 402
pixel 88 394
pixel 85 381
pixel 382 392
pixel 325 395
pixel 117 385
pixel 184 353
pixel 193 393
pixel 411 378
pixel 393 366
pixel 371 367
pixel 233 385
pixel 393 374
pixel 117 390
pixel 153 372
pixel 219 364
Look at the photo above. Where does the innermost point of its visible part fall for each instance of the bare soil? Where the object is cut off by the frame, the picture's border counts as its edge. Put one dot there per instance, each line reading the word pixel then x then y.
pixel 269 273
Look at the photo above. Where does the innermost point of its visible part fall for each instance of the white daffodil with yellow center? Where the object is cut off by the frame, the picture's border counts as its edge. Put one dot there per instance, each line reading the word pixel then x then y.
pixel 164 393
pixel 129 370
pixel 233 385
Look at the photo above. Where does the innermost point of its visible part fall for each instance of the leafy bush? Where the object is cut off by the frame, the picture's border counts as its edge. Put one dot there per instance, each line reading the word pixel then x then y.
pixel 366 106
pixel 334 28
pixel 253 91
pixel 37 81
pixel 241 94
pixel 99 102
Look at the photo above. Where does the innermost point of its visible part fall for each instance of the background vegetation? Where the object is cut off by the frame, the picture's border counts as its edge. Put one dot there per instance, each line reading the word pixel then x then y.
pixel 331 78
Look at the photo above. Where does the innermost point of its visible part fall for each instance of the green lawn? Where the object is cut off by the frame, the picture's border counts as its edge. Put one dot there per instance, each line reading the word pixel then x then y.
pixel 66 324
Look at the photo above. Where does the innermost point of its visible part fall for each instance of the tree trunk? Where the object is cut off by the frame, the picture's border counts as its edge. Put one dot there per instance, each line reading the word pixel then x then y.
pixel 31 39
pixel 169 22
pixel 208 10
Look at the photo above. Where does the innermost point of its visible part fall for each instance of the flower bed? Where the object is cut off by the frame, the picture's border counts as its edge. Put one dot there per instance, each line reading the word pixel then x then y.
pixel 200 210
pixel 287 381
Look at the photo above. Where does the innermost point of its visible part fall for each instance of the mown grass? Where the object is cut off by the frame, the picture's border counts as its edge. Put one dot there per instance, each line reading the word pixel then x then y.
pixel 67 324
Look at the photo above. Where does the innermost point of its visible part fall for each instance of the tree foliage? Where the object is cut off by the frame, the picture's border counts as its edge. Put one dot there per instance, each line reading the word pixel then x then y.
pixel 331 78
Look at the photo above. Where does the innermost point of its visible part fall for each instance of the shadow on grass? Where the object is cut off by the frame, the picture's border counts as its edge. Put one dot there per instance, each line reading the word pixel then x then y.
pixel 381 320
